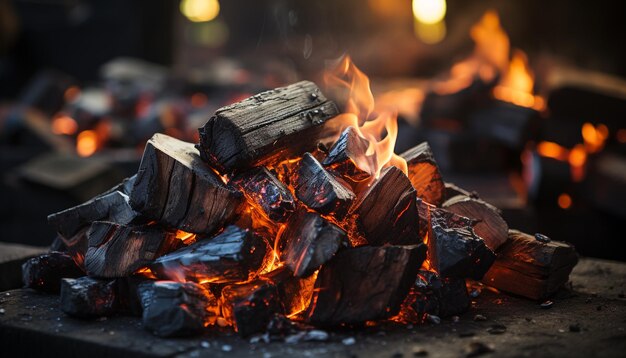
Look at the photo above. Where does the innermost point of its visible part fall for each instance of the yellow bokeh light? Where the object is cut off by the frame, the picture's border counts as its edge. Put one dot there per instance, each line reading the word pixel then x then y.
pixel 429 11
pixel 200 10
pixel 430 33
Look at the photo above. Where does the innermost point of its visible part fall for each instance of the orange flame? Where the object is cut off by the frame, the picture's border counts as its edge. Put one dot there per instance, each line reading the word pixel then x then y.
pixel 516 86
pixel 64 124
pixel 360 114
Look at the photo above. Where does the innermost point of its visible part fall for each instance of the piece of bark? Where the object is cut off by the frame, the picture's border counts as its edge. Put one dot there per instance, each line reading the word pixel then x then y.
pixel 268 127
pixel 86 297
pixel 490 226
pixel 348 157
pixel 176 188
pixel 250 306
pixel 294 292
pixel 174 309
pixel 319 190
pixel 424 173
pixel 432 295
pixel 229 257
pixel 364 284
pixel 531 267
pixel 387 210
pixel 44 272
pixel 120 250
pixel 310 241
pixel 454 250
pixel 263 190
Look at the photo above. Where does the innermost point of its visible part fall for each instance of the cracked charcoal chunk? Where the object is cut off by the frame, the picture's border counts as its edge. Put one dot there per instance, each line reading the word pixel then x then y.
pixel 44 272
pixel 364 284
pixel 424 174
pixel 319 190
pixel 454 250
pixel 294 292
pixel 174 309
pixel 176 188
pixel 347 157
pixel 228 257
pixel 387 211
pixel 120 250
pixel 87 297
pixel 264 190
pixel 531 268
pixel 310 241
pixel 267 127
pixel 490 226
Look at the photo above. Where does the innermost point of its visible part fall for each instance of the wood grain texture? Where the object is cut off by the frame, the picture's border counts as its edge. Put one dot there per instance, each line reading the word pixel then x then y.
pixel 424 173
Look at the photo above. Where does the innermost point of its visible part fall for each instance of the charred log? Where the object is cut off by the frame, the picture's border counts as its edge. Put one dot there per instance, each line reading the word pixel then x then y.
pixel 319 190
pixel 387 210
pixel 265 191
pixel 454 250
pixel 310 241
pixel 44 273
pixel 229 257
pixel 424 174
pixel 490 226
pixel 364 283
pixel 531 266
pixel 176 188
pixel 347 157
pixel 120 250
pixel 87 297
pixel 250 306
pixel 268 127
pixel 173 309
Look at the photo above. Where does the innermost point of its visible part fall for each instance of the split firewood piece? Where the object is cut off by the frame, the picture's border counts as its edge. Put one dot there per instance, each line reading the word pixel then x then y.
pixel 320 191
pixel 229 257
pixel 364 284
pixel 294 292
pixel 454 250
pixel 348 157
pixel 44 272
pixel 174 309
pixel 387 210
pixel 310 241
pixel 265 191
pixel 265 128
pixel 176 188
pixel 531 266
pixel 250 306
pixel 432 295
pixel 424 173
pixel 120 250
pixel 490 226
pixel 87 297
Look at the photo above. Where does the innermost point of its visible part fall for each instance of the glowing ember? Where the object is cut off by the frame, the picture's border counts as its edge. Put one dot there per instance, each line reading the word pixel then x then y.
pixel 360 114
pixel 564 201
pixel 552 150
pixel 86 143
pixel 64 125
pixel 594 137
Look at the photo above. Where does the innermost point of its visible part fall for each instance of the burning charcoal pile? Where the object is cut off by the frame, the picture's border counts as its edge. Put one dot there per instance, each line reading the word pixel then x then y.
pixel 288 215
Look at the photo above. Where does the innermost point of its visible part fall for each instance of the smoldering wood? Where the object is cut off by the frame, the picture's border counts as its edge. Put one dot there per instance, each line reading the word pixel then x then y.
pixel 319 190
pixel 265 191
pixel 86 297
pixel 531 268
pixel 348 157
pixel 432 295
pixel 424 174
pixel 120 250
pixel 174 309
pixel 75 246
pixel 454 250
pixel 490 225
pixel 228 257
pixel 44 272
pixel 250 306
pixel 176 188
pixel 364 283
pixel 268 127
pixel 387 210
pixel 294 292
pixel 310 241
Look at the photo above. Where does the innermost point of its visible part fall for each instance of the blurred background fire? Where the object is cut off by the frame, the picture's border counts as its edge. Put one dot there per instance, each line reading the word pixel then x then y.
pixel 522 101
